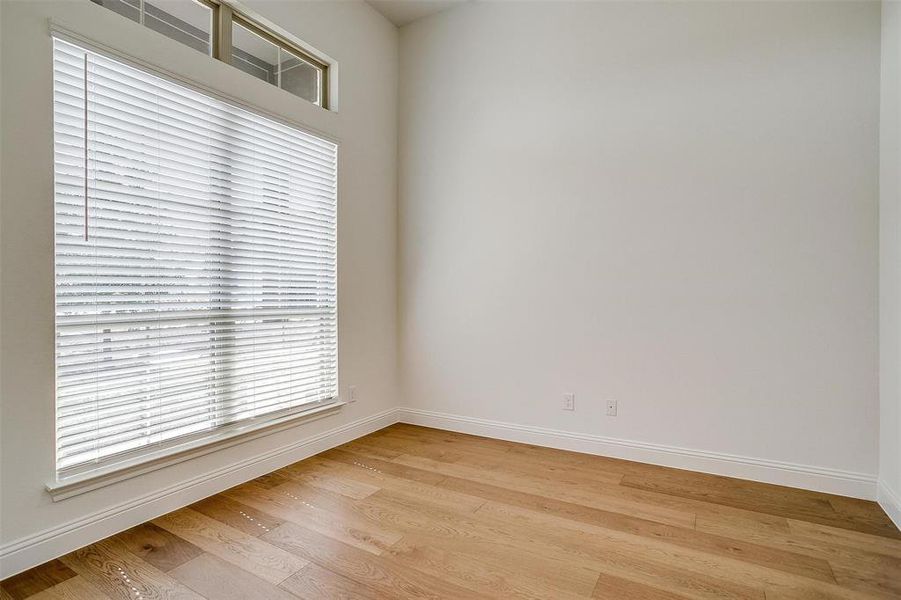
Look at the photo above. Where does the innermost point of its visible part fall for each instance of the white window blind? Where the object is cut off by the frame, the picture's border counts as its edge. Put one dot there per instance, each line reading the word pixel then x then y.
pixel 195 263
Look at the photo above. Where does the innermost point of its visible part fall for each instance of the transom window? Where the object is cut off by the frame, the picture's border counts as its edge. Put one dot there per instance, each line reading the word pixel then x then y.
pixel 195 264
pixel 217 30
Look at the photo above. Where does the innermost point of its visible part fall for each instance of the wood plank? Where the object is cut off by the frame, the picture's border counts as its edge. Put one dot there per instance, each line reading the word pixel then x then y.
pixel 75 588
pixel 119 574
pixel 753 553
pixel 652 563
pixel 585 495
pixel 316 583
pixel 859 568
pixel 845 537
pixel 316 511
pixel 491 568
pixel 272 479
pixel 382 467
pixel 820 594
pixel 242 550
pixel 382 574
pixel 155 545
pixel 583 479
pixel 560 543
pixel 411 514
pixel 878 578
pixel 36 580
pixel 760 497
pixel 693 573
pixel 793 541
pixel 610 587
pixel 441 448
pixel 360 446
pixel 340 485
pixel 219 580
pixel 525 452
pixel 369 470
pixel 864 515
pixel 491 540
pixel 235 514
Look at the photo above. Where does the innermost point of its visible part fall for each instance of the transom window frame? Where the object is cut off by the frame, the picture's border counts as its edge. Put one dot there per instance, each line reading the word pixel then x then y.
pixel 225 15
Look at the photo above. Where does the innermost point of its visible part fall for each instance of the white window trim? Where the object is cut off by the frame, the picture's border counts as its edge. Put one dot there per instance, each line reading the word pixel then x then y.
pixel 226 437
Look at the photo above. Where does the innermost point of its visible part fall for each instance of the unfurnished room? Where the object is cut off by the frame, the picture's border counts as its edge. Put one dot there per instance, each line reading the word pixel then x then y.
pixel 450 299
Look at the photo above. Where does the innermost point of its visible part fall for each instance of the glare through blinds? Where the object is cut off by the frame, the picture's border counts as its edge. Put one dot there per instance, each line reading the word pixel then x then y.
pixel 195 263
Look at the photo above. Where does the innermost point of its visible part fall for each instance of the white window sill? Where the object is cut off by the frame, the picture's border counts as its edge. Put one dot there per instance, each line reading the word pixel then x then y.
pixel 80 483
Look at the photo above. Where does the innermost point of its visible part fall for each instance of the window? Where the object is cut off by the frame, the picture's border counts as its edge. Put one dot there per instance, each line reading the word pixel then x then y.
pixel 254 52
pixel 185 21
pixel 218 31
pixel 195 264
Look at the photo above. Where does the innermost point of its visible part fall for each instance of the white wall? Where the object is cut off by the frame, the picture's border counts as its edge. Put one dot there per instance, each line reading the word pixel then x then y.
pixel 890 264
pixel 673 205
pixel 365 45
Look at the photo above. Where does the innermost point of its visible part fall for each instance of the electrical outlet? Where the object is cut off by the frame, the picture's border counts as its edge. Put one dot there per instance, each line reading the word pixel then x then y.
pixel 352 393
pixel 569 402
pixel 611 408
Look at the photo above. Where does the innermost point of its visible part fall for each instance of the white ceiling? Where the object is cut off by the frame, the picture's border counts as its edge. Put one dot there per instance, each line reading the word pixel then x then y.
pixel 401 12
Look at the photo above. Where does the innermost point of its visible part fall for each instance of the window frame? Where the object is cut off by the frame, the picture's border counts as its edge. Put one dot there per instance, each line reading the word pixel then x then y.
pixel 78 480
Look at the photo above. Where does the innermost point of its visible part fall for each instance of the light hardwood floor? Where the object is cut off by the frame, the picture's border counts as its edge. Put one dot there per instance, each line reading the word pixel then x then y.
pixel 410 512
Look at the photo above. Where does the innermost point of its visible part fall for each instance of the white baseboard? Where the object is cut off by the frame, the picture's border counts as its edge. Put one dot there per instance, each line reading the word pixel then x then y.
pixel 27 552
pixel 33 550
pixel 890 503
pixel 821 479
